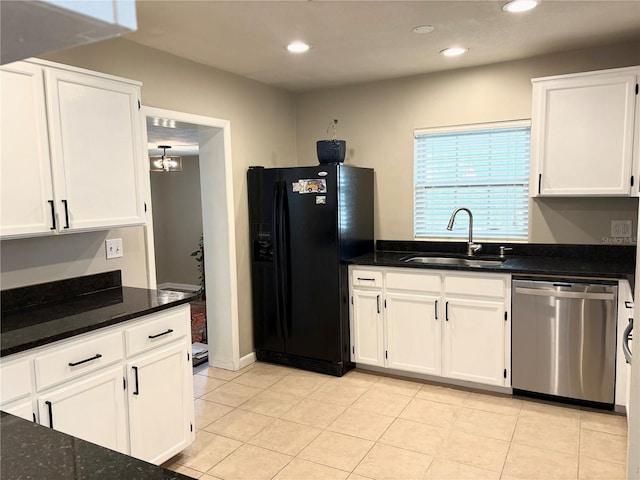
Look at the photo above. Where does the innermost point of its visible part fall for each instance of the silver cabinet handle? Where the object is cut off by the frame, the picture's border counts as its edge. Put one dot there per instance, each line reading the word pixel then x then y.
pixel 626 336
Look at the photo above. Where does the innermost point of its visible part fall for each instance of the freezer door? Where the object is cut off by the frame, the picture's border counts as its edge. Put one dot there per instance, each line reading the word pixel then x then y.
pixel 263 198
pixel 312 277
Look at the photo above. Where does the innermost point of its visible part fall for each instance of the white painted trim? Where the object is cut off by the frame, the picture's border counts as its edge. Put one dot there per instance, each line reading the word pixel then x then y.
pixel 219 234
pixel 435 379
pixel 179 286
pixel 248 359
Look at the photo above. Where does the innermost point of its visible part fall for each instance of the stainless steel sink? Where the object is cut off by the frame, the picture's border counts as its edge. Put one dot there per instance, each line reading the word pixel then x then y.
pixel 467 262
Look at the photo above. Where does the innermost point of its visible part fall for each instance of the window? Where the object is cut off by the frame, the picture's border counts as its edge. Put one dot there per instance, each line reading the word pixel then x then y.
pixel 482 167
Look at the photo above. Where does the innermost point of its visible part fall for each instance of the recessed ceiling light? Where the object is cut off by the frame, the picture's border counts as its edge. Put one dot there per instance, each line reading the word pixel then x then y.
pixel 423 29
pixel 453 51
pixel 298 47
pixel 516 6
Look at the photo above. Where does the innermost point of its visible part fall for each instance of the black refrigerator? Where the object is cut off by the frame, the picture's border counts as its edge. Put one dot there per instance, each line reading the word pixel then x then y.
pixel 305 223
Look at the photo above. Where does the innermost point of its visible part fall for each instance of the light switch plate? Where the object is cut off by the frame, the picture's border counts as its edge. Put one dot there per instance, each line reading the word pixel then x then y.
pixel 114 247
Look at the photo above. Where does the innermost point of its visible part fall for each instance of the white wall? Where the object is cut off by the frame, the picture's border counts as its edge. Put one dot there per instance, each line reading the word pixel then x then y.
pixel 262 133
pixel 377 121
pixel 44 259
pixel 267 124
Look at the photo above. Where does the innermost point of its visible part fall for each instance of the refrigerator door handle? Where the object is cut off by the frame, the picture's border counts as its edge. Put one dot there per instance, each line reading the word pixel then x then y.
pixel 276 252
pixel 284 260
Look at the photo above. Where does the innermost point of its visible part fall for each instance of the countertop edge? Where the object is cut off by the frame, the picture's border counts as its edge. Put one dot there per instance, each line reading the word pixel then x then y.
pixel 506 268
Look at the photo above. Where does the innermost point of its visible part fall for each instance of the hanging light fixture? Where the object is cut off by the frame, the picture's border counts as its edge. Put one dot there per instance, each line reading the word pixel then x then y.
pixel 164 162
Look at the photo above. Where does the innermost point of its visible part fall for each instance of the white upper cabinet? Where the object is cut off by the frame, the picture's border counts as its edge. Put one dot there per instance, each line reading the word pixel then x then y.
pixel 72 152
pixel 26 205
pixel 95 136
pixel 583 129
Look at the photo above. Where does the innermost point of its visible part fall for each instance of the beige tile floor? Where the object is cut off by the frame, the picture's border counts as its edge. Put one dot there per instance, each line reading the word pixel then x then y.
pixel 272 422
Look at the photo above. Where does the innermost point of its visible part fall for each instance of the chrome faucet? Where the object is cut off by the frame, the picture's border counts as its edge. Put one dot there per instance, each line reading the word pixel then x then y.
pixel 471 247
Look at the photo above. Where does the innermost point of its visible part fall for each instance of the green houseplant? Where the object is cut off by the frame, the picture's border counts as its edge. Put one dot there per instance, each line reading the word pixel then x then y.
pixel 331 150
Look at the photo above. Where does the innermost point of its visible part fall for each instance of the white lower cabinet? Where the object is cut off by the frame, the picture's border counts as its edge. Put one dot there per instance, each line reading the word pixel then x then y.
pixel 438 323
pixel 367 327
pixel 21 408
pixel 473 341
pixel 128 387
pixel 159 400
pixel 92 409
pixel 413 333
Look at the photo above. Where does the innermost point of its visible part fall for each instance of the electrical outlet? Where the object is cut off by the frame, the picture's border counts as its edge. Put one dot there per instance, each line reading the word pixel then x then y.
pixel 114 247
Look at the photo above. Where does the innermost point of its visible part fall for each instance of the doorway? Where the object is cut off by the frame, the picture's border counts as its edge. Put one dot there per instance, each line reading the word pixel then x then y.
pixel 211 138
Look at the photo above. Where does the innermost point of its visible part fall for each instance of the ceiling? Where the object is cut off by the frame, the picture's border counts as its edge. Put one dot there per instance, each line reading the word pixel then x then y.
pixel 361 41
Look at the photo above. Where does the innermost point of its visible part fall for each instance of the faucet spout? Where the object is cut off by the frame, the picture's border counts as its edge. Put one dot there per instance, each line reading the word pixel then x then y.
pixel 471 247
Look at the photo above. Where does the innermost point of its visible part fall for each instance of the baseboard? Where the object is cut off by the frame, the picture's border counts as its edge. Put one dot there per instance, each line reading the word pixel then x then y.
pixel 248 359
pixel 179 286
pixel 435 379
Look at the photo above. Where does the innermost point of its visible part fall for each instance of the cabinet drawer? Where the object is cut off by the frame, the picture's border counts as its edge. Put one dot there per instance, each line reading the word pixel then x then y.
pixel 157 330
pixel 421 282
pixel 366 278
pixel 485 286
pixel 77 358
pixel 15 380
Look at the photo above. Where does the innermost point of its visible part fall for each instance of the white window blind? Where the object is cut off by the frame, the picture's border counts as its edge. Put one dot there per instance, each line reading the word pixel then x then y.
pixel 482 167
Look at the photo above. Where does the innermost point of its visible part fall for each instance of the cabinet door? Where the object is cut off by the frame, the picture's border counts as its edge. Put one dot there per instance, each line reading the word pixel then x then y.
pixel 160 403
pixel 92 409
pixel 413 333
pixel 21 408
pixel 582 134
pixel 473 341
pixel 96 147
pixel 367 327
pixel 25 170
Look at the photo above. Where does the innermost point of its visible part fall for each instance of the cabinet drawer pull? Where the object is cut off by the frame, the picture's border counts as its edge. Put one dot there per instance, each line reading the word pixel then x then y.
pixel 50 407
pixel 66 214
pixel 95 357
pixel 366 279
pixel 137 390
pixel 53 215
pixel 170 330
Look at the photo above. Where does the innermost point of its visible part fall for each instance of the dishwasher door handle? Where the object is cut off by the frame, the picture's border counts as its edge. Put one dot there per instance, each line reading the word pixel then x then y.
pixel 626 336
pixel 554 293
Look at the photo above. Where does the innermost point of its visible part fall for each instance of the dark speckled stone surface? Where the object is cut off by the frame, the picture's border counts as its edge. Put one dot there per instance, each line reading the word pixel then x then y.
pixel 589 261
pixel 29 450
pixel 41 323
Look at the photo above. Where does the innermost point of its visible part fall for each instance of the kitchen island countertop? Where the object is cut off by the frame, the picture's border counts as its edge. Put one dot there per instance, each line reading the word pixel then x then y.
pixel 29 450
pixel 41 314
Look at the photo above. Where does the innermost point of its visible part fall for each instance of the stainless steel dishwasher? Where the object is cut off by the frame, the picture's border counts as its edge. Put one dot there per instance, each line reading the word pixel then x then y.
pixel 564 338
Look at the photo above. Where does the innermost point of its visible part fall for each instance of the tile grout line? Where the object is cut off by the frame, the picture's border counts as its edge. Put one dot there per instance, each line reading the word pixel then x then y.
pixel 370 388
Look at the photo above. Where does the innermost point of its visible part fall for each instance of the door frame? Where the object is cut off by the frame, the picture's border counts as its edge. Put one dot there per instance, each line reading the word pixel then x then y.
pixel 216 182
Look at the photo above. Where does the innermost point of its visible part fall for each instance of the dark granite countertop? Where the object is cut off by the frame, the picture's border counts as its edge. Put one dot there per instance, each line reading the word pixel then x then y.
pixel 45 313
pixel 30 450
pixel 589 261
